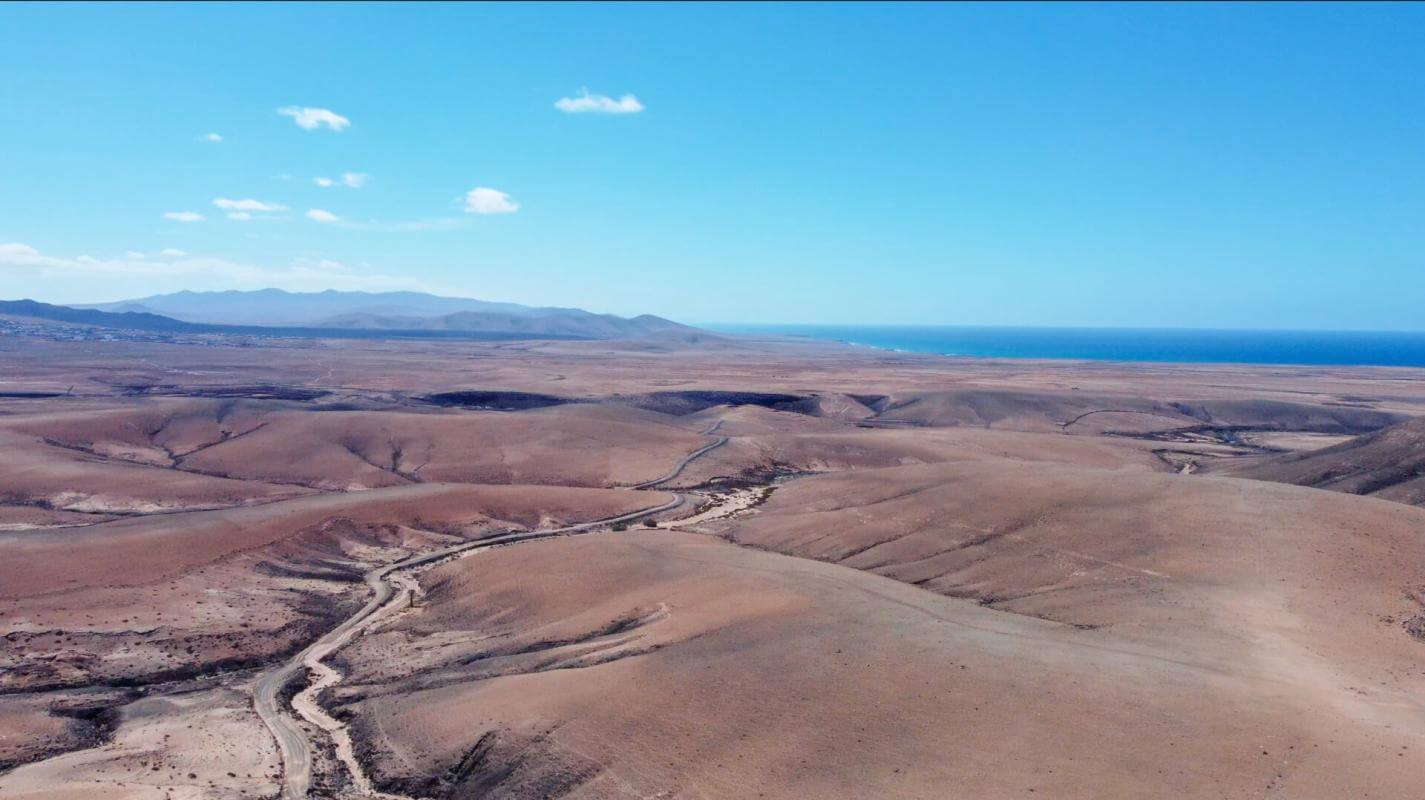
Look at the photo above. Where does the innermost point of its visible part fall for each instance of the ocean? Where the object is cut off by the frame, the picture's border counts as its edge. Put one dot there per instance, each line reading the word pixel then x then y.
pixel 1404 349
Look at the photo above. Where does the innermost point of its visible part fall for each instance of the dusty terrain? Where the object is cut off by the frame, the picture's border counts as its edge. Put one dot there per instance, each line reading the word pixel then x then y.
pixel 735 568
pixel 1388 463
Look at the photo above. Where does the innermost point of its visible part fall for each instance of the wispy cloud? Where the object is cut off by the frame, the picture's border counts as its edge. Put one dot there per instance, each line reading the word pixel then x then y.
pixel 16 254
pixel 184 216
pixel 172 252
pixel 240 216
pixel 484 200
pixel 213 137
pixel 247 204
pixel 323 264
pixel 322 215
pixel 312 118
pixel 351 180
pixel 587 103
pixel 416 225
pixel 409 226
pixel 304 273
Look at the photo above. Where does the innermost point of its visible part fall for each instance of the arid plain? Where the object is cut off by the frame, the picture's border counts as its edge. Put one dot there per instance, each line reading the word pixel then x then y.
pixel 704 567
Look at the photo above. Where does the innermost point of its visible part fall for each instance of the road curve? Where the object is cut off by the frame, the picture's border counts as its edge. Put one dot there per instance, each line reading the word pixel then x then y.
pixel 291 740
pixel 688 459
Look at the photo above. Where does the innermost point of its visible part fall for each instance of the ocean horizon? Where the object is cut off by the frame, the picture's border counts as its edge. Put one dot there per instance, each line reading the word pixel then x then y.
pixel 1171 345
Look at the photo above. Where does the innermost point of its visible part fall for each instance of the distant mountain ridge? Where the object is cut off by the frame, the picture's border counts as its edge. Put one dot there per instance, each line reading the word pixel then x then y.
pixel 387 311
pixel 155 323
pixel 583 324
pixel 132 320
pixel 280 307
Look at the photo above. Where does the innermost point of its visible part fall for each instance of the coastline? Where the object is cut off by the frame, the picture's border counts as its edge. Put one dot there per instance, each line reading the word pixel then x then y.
pixel 1118 345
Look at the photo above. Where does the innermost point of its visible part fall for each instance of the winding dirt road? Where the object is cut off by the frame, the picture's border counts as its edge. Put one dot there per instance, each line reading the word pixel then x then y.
pixel 292 740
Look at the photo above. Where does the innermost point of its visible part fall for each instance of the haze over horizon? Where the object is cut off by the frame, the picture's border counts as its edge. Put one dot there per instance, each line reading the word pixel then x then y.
pixel 1112 166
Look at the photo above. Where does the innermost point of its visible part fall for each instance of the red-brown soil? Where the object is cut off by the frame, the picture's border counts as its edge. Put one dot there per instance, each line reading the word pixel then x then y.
pixel 946 578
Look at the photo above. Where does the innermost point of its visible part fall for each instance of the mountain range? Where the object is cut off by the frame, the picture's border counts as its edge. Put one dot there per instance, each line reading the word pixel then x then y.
pixel 332 311
pixel 281 308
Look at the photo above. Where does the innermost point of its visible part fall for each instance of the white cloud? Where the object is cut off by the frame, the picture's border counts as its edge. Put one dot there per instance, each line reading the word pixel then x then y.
pixel 135 255
pixel 587 103
pixel 246 204
pixel 351 180
pixel 214 137
pixel 323 264
pixel 15 254
pixel 172 252
pixel 127 274
pixel 484 200
pixel 411 226
pixel 240 216
pixel 322 215
pixel 313 118
pixel 184 216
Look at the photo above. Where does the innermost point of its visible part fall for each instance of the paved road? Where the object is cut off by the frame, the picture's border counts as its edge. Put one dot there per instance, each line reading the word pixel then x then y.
pixel 688 459
pixel 291 740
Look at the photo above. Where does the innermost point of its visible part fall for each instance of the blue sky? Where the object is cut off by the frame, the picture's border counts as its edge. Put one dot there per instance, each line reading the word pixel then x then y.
pixel 1211 166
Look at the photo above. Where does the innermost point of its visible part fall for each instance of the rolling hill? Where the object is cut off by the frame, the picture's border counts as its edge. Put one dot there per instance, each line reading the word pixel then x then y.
pixel 1388 463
